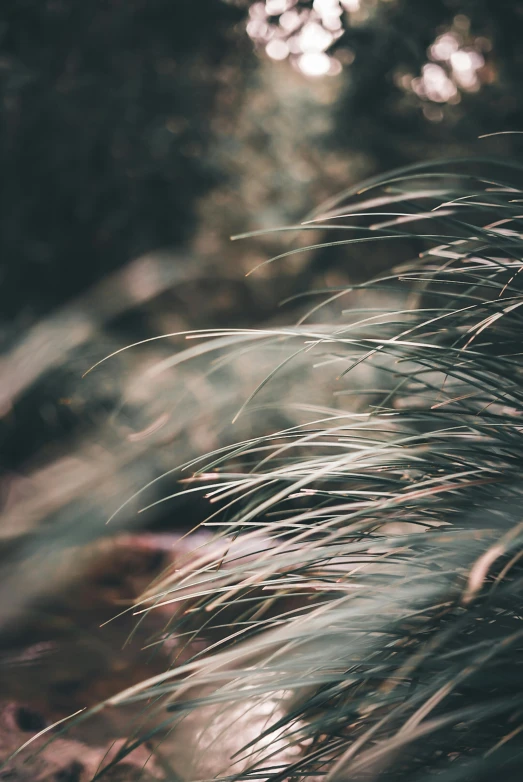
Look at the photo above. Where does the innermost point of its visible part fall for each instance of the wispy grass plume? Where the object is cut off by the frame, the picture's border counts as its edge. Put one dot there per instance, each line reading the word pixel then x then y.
pixel 357 612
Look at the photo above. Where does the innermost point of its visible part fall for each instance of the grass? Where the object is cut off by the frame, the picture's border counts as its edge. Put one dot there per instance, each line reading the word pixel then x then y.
pixel 358 613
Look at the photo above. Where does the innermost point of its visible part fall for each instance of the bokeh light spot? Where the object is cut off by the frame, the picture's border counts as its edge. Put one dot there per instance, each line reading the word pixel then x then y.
pixel 277 49
pixel 315 63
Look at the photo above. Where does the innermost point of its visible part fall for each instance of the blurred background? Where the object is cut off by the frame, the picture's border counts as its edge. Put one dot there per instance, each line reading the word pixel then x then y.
pixel 138 136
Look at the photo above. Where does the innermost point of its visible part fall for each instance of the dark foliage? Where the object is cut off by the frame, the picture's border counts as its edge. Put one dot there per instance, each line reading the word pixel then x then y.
pixel 378 117
pixel 105 112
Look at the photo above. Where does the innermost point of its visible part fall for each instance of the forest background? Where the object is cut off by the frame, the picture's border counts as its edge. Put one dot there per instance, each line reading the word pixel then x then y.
pixel 136 138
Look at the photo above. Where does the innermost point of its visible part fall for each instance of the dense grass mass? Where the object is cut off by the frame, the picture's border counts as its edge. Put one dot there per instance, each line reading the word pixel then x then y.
pixel 357 612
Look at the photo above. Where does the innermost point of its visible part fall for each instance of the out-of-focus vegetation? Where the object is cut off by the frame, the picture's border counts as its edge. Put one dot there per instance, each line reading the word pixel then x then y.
pixel 137 137
pixel 147 132
pixel 131 127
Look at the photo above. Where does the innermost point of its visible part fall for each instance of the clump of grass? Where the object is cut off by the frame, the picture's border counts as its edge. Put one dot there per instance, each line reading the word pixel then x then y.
pixel 358 613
